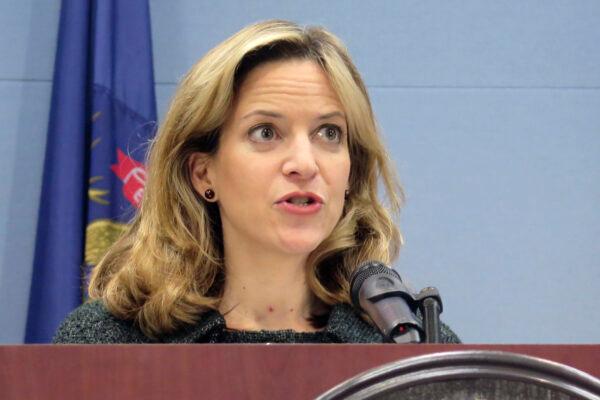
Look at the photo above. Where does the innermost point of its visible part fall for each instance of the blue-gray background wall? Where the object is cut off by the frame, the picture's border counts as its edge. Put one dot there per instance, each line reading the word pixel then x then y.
pixel 490 109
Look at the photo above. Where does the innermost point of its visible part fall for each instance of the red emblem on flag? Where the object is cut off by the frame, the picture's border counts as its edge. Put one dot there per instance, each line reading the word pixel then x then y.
pixel 133 175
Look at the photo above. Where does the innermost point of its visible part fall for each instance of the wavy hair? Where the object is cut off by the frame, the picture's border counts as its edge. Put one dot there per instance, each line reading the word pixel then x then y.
pixel 168 267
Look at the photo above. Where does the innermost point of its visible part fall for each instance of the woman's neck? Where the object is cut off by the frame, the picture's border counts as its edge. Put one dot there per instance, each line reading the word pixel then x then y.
pixel 266 294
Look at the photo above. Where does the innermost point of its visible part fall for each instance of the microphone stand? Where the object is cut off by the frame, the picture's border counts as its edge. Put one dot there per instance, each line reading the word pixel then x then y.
pixel 429 302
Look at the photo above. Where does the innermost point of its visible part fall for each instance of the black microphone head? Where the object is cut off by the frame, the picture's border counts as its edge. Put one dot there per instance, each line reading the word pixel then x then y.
pixel 365 271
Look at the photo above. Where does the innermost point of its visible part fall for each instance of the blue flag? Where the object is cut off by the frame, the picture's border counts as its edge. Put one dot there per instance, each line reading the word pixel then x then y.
pixel 102 116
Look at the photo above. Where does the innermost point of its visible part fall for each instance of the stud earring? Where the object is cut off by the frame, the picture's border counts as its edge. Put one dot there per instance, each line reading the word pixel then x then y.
pixel 346 194
pixel 209 194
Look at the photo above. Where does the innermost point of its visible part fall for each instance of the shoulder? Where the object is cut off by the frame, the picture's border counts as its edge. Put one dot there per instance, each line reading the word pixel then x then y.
pixel 448 336
pixel 92 323
pixel 347 326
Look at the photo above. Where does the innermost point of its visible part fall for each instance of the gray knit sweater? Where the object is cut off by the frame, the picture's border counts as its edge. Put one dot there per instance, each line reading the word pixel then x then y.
pixel 91 323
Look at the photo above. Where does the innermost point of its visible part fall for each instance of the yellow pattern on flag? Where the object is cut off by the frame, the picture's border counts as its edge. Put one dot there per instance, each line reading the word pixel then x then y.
pixel 99 236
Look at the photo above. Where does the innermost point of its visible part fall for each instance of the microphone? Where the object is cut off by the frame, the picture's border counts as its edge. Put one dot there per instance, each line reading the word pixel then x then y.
pixel 378 291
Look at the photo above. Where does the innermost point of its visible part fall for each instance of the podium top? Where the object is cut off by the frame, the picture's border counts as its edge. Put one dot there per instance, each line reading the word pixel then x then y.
pixel 273 371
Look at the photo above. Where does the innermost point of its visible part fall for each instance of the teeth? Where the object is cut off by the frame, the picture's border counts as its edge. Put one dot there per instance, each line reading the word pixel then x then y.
pixel 299 200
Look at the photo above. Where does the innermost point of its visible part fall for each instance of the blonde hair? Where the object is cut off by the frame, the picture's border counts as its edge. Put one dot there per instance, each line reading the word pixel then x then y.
pixel 168 267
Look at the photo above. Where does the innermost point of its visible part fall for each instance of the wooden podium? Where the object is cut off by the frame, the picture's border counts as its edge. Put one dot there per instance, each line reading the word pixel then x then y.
pixel 220 371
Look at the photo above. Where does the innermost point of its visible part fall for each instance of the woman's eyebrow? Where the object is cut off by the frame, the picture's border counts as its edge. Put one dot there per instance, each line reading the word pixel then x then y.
pixel 278 115
pixel 332 114
pixel 264 113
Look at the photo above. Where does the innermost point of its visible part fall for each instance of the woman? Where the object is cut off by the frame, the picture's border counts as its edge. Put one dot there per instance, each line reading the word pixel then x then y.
pixel 261 199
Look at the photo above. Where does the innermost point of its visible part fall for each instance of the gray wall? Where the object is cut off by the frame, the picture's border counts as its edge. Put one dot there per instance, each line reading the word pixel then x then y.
pixel 491 113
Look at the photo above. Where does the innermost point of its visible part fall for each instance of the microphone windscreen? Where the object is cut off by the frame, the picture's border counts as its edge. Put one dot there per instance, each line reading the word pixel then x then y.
pixel 365 271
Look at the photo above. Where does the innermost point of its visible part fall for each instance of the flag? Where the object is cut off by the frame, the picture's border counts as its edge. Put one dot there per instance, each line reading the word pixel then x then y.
pixel 102 116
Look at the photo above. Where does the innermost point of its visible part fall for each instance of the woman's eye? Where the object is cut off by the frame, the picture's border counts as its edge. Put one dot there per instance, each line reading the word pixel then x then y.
pixel 331 133
pixel 262 133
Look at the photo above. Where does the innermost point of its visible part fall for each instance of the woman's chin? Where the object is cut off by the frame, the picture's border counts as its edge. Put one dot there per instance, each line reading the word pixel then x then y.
pixel 300 245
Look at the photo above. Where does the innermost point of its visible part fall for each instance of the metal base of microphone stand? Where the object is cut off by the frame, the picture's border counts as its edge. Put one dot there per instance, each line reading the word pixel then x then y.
pixel 430 304
pixel 431 320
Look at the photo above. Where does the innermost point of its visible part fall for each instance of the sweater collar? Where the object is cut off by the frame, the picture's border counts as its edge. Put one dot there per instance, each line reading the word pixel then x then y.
pixel 344 326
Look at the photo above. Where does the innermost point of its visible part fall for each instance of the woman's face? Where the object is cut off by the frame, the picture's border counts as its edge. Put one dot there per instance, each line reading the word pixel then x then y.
pixel 283 163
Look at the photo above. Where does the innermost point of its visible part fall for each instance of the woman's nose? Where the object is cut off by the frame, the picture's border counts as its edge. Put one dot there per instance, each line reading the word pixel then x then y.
pixel 300 162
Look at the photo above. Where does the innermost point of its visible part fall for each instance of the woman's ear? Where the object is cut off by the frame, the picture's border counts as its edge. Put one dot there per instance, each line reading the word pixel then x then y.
pixel 198 167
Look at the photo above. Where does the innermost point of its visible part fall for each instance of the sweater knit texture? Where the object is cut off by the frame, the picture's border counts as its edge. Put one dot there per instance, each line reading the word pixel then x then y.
pixel 91 323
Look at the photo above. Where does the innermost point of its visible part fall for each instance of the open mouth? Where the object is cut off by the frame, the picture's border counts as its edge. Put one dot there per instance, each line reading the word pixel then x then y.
pixel 300 201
